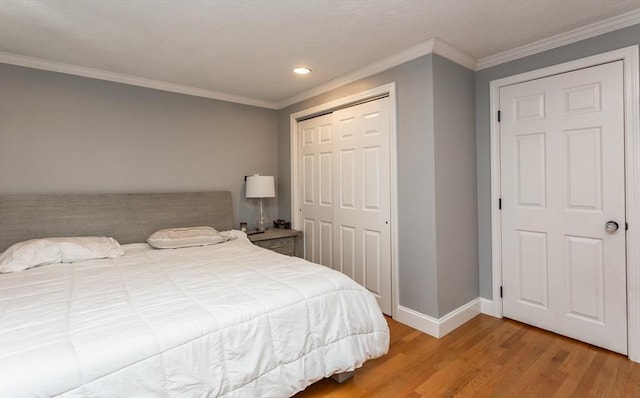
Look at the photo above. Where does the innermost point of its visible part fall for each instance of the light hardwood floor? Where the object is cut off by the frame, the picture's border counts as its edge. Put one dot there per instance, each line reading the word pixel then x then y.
pixel 487 357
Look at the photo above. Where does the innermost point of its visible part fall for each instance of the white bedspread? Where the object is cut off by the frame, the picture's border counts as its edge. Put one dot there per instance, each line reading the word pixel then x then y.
pixel 229 320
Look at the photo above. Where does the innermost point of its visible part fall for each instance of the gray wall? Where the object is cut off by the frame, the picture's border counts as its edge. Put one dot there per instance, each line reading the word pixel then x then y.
pixel 595 45
pixel 418 266
pixel 455 180
pixel 67 134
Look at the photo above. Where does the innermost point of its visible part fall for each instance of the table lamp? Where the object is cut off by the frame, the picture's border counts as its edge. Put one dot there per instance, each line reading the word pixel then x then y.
pixel 261 187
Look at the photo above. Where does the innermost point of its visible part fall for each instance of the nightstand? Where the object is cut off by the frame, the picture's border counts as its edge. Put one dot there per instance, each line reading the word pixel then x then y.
pixel 283 241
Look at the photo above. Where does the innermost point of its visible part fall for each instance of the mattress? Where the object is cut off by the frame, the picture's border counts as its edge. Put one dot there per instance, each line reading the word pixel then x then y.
pixel 230 320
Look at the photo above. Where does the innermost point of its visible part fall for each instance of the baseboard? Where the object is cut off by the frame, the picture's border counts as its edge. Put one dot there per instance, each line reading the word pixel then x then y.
pixel 459 316
pixel 486 306
pixel 438 327
pixel 418 320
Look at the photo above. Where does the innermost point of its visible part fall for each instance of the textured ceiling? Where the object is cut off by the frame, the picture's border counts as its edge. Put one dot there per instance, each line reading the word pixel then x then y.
pixel 247 47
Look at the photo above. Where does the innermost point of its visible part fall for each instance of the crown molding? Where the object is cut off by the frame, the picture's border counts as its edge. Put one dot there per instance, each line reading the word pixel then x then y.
pixel 448 51
pixel 433 45
pixel 38 63
pixel 572 36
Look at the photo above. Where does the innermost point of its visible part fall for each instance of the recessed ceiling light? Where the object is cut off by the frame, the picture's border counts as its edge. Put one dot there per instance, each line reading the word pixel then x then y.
pixel 301 70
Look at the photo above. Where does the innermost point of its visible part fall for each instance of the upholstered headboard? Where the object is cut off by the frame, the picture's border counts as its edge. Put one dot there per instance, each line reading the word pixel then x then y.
pixel 128 218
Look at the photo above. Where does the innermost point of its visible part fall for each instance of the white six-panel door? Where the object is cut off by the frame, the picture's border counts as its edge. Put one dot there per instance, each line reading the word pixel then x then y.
pixel 345 195
pixel 317 196
pixel 562 175
pixel 362 230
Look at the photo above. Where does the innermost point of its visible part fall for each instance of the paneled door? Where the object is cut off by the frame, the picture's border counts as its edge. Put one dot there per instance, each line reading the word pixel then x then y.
pixel 563 204
pixel 316 196
pixel 361 227
pixel 345 194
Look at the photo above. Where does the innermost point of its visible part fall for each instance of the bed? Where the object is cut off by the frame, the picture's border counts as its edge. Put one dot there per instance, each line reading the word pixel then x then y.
pixel 229 320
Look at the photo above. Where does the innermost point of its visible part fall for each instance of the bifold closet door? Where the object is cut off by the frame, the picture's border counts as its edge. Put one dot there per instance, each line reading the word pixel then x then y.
pixel 345 194
pixel 362 232
pixel 316 188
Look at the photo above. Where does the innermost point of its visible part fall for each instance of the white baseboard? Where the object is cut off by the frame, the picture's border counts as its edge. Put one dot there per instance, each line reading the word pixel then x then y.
pixel 459 316
pixel 418 320
pixel 488 307
pixel 438 327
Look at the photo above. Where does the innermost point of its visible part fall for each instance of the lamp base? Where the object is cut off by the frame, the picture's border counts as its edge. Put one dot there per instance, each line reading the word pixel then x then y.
pixel 261 222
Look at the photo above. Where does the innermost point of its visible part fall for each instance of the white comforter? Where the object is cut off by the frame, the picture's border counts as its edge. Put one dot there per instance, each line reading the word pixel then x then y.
pixel 229 320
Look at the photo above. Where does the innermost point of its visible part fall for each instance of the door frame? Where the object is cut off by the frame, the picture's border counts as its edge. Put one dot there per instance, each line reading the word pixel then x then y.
pixel 386 89
pixel 629 57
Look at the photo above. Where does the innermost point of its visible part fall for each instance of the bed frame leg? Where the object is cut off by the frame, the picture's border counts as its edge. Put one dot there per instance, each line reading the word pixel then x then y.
pixel 342 377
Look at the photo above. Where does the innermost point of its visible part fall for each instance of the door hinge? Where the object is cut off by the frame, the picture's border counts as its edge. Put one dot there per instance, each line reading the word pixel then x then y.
pixel 500 291
pixel 498 116
pixel 626 226
pixel 500 204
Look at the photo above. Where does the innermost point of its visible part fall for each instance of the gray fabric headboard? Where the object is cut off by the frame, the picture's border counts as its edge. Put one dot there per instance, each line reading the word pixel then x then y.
pixel 128 218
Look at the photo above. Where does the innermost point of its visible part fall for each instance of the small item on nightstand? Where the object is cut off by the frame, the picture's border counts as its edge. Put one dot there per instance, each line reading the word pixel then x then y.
pixel 282 224
pixel 243 226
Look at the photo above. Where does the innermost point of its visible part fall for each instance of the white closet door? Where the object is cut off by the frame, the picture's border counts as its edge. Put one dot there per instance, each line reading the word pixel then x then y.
pixel 316 196
pixel 562 162
pixel 362 212
pixel 345 194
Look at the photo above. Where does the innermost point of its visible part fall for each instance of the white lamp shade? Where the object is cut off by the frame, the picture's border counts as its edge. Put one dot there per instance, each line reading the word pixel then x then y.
pixel 260 186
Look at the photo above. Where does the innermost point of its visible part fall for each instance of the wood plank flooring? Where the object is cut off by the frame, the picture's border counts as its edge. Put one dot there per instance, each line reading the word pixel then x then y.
pixel 487 357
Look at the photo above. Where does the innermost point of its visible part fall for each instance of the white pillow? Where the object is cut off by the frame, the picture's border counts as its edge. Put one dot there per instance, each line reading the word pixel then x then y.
pixel 34 252
pixel 174 238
